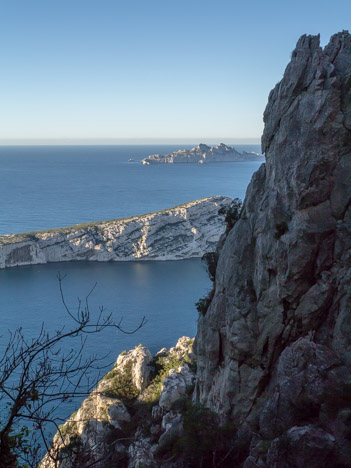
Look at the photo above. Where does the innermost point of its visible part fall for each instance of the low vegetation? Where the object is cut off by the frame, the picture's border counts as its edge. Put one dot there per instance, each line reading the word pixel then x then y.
pixel 121 384
pixel 232 213
pixel 162 365
pixel 204 442
pixel 203 303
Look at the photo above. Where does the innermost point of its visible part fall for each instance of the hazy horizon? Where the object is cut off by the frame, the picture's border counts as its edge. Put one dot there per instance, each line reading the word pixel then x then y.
pixel 127 141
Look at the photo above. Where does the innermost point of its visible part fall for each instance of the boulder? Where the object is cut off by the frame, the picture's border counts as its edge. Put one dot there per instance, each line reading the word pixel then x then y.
pixel 176 386
pixel 302 446
pixel 137 362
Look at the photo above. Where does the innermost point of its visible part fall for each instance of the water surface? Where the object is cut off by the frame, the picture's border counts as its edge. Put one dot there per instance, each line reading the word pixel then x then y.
pixel 56 186
pixel 49 187
pixel 163 292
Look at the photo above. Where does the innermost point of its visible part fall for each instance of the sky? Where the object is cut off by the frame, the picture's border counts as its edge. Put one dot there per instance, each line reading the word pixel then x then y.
pixel 148 71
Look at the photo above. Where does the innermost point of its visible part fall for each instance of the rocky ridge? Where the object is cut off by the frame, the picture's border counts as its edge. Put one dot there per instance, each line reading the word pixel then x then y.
pixel 131 418
pixel 185 231
pixel 273 347
pixel 203 154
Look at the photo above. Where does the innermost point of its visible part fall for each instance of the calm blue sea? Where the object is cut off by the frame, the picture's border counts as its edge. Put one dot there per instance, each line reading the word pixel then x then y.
pixel 48 187
pixel 53 186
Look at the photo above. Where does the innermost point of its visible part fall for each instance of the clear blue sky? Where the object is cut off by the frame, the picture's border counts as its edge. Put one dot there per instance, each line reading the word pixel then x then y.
pixel 148 69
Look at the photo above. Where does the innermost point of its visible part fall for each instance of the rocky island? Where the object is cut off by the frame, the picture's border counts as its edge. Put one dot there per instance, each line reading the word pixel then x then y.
pixel 272 383
pixel 185 231
pixel 203 154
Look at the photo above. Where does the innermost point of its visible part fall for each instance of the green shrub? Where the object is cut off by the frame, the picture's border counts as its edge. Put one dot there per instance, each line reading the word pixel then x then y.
pixel 109 375
pixel 203 303
pixel 162 365
pixel 204 443
pixel 121 384
pixel 232 213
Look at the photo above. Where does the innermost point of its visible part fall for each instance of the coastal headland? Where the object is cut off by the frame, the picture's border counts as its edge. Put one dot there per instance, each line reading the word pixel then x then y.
pixel 185 231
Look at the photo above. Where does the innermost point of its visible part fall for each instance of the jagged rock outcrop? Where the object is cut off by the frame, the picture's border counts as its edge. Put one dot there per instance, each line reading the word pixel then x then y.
pixel 185 231
pixel 203 154
pixel 273 347
pixel 131 416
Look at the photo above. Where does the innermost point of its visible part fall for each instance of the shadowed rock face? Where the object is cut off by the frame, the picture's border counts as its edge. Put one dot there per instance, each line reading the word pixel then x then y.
pixel 274 346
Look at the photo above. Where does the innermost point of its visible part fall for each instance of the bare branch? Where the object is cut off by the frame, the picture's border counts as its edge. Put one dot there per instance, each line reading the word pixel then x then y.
pixel 38 374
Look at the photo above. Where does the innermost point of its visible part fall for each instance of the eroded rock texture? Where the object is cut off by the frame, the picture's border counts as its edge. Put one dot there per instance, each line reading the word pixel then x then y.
pixel 131 417
pixel 185 231
pixel 273 348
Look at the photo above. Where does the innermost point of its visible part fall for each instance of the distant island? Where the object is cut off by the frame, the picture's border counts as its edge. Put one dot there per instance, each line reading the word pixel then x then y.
pixel 203 154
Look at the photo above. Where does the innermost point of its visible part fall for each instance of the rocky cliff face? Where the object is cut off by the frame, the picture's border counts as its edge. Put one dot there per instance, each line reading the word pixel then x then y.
pixel 274 346
pixel 131 418
pixel 203 154
pixel 185 231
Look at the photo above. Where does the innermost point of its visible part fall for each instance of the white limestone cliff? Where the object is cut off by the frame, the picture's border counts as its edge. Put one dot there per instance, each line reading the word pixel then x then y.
pixel 184 231
pixel 132 413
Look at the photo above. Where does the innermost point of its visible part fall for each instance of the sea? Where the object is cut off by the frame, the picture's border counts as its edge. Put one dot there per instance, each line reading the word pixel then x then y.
pixel 44 187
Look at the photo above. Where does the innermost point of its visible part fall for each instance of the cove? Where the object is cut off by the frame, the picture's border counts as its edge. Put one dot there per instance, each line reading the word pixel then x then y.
pixel 163 292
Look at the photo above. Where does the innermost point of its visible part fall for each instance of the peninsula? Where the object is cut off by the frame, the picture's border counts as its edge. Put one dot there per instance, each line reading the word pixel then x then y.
pixel 203 154
pixel 185 231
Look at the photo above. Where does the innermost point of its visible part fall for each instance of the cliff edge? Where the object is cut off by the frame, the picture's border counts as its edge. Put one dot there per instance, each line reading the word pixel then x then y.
pixel 273 347
pixel 185 231
pixel 132 418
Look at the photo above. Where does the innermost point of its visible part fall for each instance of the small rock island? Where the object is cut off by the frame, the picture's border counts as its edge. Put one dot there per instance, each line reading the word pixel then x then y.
pixel 203 154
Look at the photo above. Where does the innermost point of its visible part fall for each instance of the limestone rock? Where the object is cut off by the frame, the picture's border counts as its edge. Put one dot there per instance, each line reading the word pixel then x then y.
pixel 97 431
pixel 308 375
pixel 156 412
pixel 185 231
pixel 141 452
pixel 284 270
pixel 203 154
pixel 180 379
pixel 87 434
pixel 183 347
pixel 172 433
pixel 300 447
pixel 175 386
pixel 138 361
